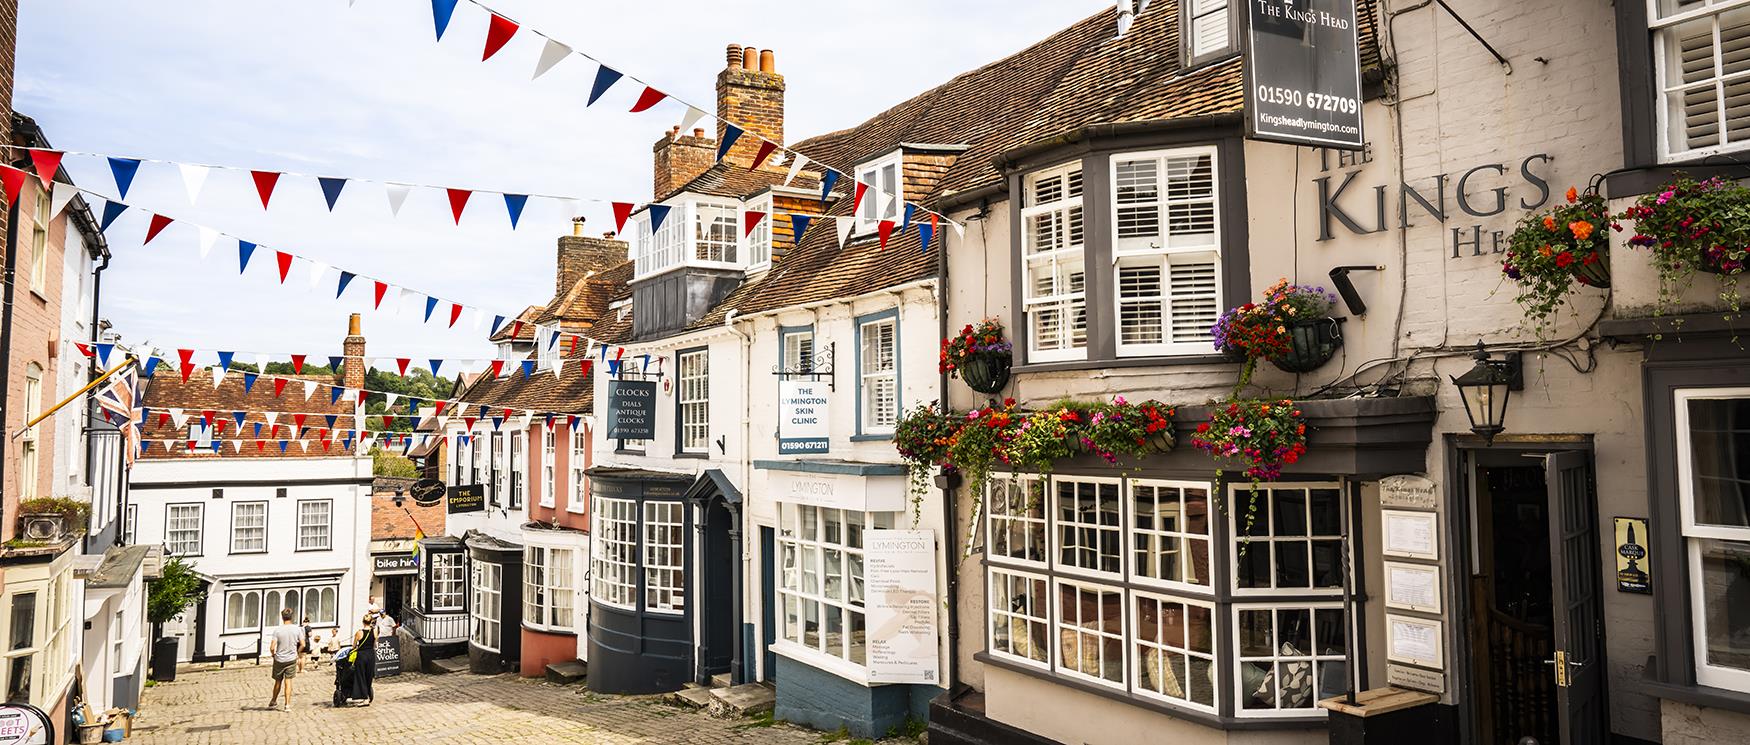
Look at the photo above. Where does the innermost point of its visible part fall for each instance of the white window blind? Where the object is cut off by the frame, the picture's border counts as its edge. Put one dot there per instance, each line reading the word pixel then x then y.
pixel 1052 240
pixel 694 401
pixel 1207 21
pixel 799 351
pixel 1167 251
pixel 1702 50
pixel 879 380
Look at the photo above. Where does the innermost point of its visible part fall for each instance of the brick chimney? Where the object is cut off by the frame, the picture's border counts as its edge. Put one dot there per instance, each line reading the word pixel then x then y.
pixel 580 254
pixel 680 157
pixel 352 370
pixel 750 92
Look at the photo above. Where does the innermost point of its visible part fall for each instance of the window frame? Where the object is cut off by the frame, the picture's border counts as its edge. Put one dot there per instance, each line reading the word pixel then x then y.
pixel 1236 492
pixel 1659 92
pixel 260 595
pixel 517 464
pixel 29 457
pixel 543 583
pixel 1211 516
pixel 853 593
pixel 874 195
pixel 1692 533
pixel 42 223
pixel 1064 302
pixel 666 578
pixel 700 406
pixel 486 605
pixel 1009 518
pixel 576 501
pixel 450 561
pixel 614 582
pixel 865 428
pixel 265 510
pixel 130 524
pixel 785 334
pixel 761 235
pixel 328 525
pixel 1163 255
pixel 1187 46
pixel 1054 539
pixel 1046 617
pixel 200 518
pixel 549 467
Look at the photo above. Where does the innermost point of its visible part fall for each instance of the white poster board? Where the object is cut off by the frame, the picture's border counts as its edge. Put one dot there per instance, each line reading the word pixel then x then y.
pixel 1414 587
pixel 1413 535
pixel 1417 641
pixel 802 406
pixel 899 578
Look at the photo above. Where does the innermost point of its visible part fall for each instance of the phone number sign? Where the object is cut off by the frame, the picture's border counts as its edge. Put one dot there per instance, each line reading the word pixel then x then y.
pixel 1303 73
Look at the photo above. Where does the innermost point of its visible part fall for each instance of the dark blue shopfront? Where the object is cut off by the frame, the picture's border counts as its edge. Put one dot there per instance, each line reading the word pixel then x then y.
pixel 640 624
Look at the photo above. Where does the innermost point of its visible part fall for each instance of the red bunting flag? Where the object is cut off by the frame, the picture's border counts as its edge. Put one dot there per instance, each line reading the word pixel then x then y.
pixel 326 445
pixel 469 422
pixel 298 364
pixel 219 427
pixel 381 288
pixel 622 210
pixel 361 396
pixel 207 417
pixel 388 421
pixel 498 34
pixel 298 421
pixel 587 364
pixel 458 202
pixel 750 220
pixel 618 353
pixel 83 349
pixel 650 97
pixel 516 329
pixel 187 356
pixel 857 201
pixel 455 313
pixel 285 262
pixel 497 368
pixel 766 148
pixel 884 229
pixel 163 418
pixel 279 386
pixel 440 408
pixel 13 179
pixel 260 445
pixel 264 183
pixel 401 363
pixel 159 223
pixel 48 163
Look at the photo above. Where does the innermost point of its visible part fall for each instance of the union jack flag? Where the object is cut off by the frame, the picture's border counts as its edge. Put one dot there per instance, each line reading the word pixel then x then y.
pixel 120 399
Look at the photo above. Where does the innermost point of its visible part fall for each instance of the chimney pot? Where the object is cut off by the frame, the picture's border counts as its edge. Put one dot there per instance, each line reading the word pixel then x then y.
pixel 768 62
pixel 608 235
pixel 750 57
pixel 352 325
pixel 674 130
pixel 697 131
pixel 577 226
pixel 733 55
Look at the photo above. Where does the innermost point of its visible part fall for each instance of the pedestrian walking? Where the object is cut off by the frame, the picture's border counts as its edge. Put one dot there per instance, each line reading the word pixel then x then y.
pixel 286 647
pixel 364 666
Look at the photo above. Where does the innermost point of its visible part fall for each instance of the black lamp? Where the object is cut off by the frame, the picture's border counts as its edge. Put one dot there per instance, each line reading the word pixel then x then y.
pixel 1485 389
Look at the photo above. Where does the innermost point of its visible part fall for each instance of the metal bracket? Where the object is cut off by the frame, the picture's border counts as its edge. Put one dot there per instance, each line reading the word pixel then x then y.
pixel 814 371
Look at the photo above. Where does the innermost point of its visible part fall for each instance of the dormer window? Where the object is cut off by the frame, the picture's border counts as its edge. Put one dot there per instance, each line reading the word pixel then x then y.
pixel 759 240
pixel 882 199
pixel 696 232
pixel 715 230
pixel 1208 28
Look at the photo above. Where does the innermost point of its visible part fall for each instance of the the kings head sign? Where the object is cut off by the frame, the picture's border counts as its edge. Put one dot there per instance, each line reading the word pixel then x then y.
pixel 1303 73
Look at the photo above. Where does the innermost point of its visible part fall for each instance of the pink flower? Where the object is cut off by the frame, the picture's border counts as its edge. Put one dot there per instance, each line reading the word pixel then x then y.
pixel 1665 197
pixel 1119 400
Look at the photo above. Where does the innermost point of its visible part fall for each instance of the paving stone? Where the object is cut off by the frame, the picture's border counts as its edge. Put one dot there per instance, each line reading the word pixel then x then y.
pixel 742 700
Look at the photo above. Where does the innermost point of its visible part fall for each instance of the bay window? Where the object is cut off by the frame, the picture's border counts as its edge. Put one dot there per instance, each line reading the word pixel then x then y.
pixel 1701 76
pixel 1167 250
pixel 249 611
pixel 1713 441
pixel 821 589
pixel 694 401
pixel 1055 283
pixel 39 654
pixel 1124 596
pixel 548 466
pixel 547 588
pixel 487 613
pixel 696 232
pixel 665 570
pixel 446 581
pixel 614 552
pixel 716 230
pixel 882 199
pixel 878 373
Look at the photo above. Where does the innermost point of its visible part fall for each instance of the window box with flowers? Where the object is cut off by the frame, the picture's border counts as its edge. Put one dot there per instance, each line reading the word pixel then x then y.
pixel 1550 252
pixel 1694 225
pixel 979 355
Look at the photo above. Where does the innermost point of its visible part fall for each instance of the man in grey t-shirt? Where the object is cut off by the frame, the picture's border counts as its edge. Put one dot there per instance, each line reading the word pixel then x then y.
pixel 287 639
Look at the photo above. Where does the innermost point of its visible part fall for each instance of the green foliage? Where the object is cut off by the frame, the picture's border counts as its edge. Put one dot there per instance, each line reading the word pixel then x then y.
pixel 175 591
pixel 385 463
pixel 76 512
pixel 1690 225
pixel 417 383
pixel 285 368
pixel 912 728
pixel 1551 251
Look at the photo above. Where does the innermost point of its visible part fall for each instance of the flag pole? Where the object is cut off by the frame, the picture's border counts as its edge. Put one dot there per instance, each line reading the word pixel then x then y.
pixel 76 394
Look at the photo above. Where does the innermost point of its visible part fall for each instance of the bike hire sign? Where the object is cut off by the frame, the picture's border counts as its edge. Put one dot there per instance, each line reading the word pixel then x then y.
pixel 1303 73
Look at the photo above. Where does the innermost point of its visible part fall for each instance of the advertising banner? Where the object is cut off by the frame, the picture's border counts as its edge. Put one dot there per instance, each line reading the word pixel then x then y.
pixel 467 498
pixel 899 574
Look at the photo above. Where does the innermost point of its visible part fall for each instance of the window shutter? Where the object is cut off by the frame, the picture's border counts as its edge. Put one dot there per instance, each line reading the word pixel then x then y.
pixel 1194 297
pixel 1139 215
pixel 1139 298
pixel 1208 26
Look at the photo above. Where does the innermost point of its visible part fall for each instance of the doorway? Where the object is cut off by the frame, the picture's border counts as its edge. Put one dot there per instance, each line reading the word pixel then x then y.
pixel 719 611
pixel 394 595
pixel 1531 597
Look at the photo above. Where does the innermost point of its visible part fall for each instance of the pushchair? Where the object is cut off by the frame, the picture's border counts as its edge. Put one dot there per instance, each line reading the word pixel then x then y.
pixel 342 676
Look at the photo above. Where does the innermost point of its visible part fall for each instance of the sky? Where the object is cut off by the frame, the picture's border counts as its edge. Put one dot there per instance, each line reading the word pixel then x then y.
pixel 366 92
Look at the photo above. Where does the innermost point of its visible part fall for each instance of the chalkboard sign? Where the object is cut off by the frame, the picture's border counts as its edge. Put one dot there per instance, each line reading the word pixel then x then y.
pixel 467 498
pixel 427 492
pixel 631 410
pixel 388 656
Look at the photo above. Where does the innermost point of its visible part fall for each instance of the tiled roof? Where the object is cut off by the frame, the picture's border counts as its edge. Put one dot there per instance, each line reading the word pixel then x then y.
pixel 526 333
pixel 725 179
pixel 587 300
pixel 167 390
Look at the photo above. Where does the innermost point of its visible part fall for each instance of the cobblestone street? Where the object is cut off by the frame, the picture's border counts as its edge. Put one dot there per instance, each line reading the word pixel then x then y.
pixel 229 706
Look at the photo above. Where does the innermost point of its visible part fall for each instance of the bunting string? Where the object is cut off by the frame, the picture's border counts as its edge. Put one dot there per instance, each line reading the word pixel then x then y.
pixel 502 28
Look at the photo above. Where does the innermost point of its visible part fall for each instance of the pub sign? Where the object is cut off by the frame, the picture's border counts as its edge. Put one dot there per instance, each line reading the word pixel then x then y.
pixel 1303 73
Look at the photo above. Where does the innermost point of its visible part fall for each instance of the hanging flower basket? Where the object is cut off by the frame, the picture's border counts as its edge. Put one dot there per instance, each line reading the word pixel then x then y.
pixel 1552 251
pixel 1311 344
pixel 1722 260
pixel 986 373
pixel 1692 226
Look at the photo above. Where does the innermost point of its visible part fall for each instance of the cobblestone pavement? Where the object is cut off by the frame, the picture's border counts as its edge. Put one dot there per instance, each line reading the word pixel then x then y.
pixel 230 706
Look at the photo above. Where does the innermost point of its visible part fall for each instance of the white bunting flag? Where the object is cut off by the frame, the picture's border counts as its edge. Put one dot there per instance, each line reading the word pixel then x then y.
pixel 389 400
pixel 317 270
pixel 304 445
pixel 309 389
pixel 218 376
pixel 777 158
pixel 179 417
pixel 959 230
pixel 479 318
pixel 397 197
pixel 260 361
pixel 845 225
pixel 401 304
pixel 236 445
pixel 558 362
pixel 62 195
pixel 525 420
pixel 551 55
pixel 691 120
pixel 209 237
pixel 795 168
pixel 272 417
pixel 193 178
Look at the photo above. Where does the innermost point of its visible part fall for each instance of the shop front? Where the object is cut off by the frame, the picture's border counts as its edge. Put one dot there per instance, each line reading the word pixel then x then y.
pixel 437 609
pixel 495 603
pixel 641 550
pixel 553 593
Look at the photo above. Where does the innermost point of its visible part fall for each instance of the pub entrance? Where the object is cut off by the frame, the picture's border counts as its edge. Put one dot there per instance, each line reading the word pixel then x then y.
pixel 1530 602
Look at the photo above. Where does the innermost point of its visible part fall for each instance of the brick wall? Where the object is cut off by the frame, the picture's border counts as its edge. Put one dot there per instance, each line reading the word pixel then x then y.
pixel 752 98
pixel 36 322
pixel 578 255
pixel 679 158
pixel 389 522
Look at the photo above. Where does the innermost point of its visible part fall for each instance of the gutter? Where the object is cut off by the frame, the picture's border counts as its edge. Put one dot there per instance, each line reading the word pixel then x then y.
pixel 1008 160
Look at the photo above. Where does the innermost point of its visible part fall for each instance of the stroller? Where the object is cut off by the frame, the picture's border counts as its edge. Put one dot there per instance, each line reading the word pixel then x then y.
pixel 342 676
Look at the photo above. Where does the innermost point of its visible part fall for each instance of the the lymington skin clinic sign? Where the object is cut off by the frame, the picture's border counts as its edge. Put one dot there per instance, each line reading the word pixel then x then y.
pixel 899 575
pixel 802 417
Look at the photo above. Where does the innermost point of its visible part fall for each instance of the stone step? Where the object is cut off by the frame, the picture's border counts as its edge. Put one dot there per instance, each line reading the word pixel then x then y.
pixel 457 664
pixel 743 700
pixel 720 680
pixel 697 698
pixel 565 673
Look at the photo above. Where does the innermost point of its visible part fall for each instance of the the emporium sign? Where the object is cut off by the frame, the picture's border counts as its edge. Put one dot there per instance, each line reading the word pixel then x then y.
pixel 1303 73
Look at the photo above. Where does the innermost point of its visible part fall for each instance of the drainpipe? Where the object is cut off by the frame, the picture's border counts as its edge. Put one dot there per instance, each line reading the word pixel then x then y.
pixel 736 672
pixel 949 511
pixel 6 322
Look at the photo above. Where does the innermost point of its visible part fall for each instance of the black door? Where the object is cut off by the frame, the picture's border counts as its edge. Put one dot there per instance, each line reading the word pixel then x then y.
pixel 717 622
pixel 394 595
pixel 769 599
pixel 1579 655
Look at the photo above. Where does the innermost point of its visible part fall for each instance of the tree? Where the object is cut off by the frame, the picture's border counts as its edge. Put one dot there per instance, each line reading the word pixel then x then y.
pixel 175 590
pixel 385 463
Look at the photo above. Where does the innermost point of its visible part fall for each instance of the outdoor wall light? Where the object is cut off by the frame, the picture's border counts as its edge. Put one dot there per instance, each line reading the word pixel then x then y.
pixel 1485 389
pixel 1346 288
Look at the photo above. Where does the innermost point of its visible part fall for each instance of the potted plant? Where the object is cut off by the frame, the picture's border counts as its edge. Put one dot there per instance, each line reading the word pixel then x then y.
pixel 1695 225
pixel 168 597
pixel 1552 251
pixel 1257 436
pixel 922 437
pixel 1249 333
pixel 979 355
pixel 1313 335
pixel 52 518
